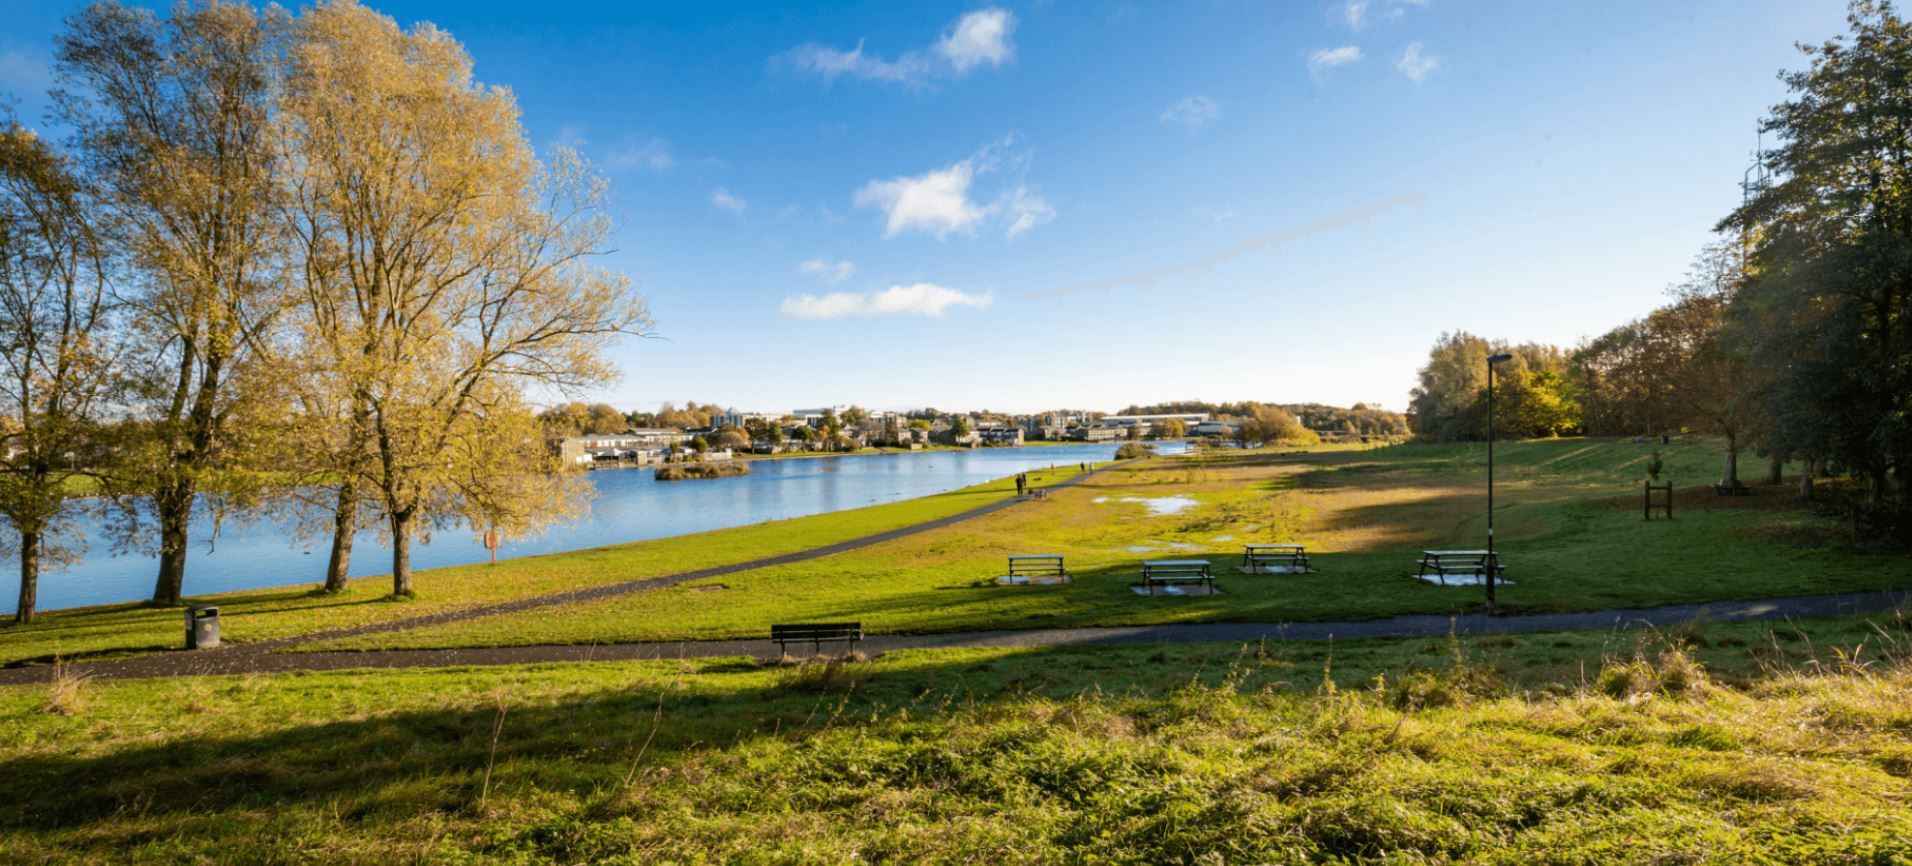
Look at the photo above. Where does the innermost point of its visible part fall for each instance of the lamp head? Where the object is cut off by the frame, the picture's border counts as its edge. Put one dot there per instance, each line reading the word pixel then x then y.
pixel 1499 357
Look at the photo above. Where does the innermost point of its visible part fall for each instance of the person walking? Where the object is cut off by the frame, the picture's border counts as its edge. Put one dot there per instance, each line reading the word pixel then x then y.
pixel 1021 484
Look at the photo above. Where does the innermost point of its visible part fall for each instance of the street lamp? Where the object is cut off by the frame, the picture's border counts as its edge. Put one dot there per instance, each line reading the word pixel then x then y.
pixel 1493 564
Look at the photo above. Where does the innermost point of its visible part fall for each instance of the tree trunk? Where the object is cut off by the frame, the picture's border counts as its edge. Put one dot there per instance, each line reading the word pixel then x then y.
pixel 402 554
pixel 1808 471
pixel 1775 470
pixel 174 509
pixel 1731 476
pixel 1876 486
pixel 29 577
pixel 344 524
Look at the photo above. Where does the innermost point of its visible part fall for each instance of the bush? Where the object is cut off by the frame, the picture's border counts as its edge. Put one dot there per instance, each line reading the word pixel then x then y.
pixel 1132 450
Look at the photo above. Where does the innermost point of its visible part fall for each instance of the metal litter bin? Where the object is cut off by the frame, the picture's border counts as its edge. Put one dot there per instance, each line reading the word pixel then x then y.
pixel 202 626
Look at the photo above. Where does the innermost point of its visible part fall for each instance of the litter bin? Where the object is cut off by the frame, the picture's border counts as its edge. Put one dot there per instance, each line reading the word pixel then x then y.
pixel 202 626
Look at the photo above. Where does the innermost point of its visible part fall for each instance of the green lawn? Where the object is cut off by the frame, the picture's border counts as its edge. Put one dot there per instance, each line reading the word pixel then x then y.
pixel 1530 749
pixel 274 613
pixel 1568 520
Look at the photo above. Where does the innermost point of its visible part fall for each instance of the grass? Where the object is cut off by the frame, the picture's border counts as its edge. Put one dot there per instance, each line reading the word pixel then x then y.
pixel 117 630
pixel 1569 525
pixel 1469 750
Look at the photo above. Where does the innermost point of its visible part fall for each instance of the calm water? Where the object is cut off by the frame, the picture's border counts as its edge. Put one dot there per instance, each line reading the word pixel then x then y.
pixel 629 506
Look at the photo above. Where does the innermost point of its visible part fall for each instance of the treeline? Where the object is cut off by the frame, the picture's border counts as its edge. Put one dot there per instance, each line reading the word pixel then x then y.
pixel 295 262
pixel 1792 337
pixel 585 419
pixel 1357 420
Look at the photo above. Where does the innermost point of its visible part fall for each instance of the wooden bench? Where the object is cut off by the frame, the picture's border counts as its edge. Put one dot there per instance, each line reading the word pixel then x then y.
pixel 1290 556
pixel 1167 571
pixel 1036 565
pixel 1442 563
pixel 816 634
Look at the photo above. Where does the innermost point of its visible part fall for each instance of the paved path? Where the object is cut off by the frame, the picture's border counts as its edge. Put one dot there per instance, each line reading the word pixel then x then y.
pixel 250 659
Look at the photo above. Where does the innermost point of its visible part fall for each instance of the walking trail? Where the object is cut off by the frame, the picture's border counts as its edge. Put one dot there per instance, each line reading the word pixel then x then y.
pixel 270 657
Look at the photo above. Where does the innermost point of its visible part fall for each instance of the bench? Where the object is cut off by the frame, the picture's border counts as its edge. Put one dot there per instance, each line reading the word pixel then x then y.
pixel 816 634
pixel 1292 557
pixel 1167 571
pixel 1721 488
pixel 1036 565
pixel 1442 563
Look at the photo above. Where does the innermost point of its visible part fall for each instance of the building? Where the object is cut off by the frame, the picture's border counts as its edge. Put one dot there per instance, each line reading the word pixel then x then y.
pixel 1188 419
pixel 1000 435
pixel 649 445
pixel 1219 429
pixel 1097 434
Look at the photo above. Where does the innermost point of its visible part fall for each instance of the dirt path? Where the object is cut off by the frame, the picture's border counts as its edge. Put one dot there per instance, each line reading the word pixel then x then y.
pixel 252 659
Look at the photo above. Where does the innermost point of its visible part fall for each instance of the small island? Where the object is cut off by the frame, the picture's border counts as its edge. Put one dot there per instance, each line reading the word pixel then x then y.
pixel 681 471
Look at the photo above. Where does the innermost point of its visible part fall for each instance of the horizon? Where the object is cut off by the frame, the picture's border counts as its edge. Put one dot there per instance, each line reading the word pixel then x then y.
pixel 914 205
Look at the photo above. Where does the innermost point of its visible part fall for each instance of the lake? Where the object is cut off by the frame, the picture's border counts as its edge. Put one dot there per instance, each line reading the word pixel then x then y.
pixel 628 506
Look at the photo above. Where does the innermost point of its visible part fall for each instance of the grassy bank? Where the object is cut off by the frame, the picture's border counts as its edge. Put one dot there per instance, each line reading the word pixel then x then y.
pixel 1395 751
pixel 1569 524
pixel 275 613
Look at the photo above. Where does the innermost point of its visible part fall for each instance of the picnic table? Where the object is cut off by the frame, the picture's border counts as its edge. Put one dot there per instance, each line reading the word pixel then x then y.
pixel 1036 565
pixel 1290 556
pixel 817 634
pixel 1167 571
pixel 1442 563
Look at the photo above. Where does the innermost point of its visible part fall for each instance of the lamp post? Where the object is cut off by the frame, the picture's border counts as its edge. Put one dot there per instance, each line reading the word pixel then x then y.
pixel 1493 564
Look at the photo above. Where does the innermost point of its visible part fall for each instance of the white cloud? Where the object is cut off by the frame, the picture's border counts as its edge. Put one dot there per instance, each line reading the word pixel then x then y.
pixel 1356 13
pixel 979 38
pixel 1328 58
pixel 831 272
pixel 936 202
pixel 1024 210
pixel 1193 112
pixel 653 154
pixel 1416 64
pixel 940 201
pixel 920 299
pixel 724 199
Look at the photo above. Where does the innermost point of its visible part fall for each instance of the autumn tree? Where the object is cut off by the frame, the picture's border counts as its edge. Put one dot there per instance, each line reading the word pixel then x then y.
pixel 462 273
pixel 173 119
pixel 55 350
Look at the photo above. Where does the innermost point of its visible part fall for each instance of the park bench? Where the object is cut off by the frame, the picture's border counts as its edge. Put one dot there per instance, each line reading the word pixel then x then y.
pixel 1036 565
pixel 816 634
pixel 1167 571
pixel 1473 563
pixel 1292 557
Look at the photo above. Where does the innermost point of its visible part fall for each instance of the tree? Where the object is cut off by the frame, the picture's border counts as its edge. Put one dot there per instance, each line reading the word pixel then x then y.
pixel 1171 428
pixel 174 120
pixel 958 426
pixel 1829 284
pixel 1443 406
pixel 461 273
pixel 55 349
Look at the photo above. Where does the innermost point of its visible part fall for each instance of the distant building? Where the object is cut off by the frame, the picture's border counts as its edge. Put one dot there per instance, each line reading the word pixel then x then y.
pixel 650 445
pixel 1000 435
pixel 1188 419
pixel 1221 429
pixel 1097 434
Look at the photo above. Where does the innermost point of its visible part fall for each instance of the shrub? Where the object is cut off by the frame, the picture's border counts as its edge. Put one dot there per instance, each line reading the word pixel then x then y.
pixel 1132 450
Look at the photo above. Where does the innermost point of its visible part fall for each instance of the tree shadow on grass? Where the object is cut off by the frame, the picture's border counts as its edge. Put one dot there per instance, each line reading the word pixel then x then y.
pixel 400 765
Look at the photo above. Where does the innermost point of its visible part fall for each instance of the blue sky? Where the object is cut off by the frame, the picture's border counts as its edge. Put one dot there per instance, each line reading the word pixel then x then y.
pixel 1024 206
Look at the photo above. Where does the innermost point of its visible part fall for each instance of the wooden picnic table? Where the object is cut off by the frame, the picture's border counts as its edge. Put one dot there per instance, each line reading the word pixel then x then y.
pixel 1470 562
pixel 1288 555
pixel 1036 565
pixel 1166 571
